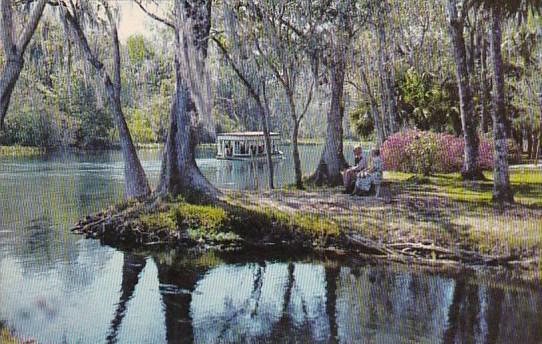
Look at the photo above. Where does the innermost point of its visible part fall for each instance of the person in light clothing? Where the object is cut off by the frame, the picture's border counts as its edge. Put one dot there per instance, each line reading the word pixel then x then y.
pixel 349 175
pixel 368 177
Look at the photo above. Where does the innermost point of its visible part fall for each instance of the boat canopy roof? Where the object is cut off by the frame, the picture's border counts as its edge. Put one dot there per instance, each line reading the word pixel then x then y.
pixel 242 134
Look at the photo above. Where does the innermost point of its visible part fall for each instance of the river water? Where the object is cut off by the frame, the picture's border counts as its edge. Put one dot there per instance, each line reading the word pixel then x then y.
pixel 56 287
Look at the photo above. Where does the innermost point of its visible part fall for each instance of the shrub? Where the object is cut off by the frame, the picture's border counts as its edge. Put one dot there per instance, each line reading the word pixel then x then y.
pixel 426 152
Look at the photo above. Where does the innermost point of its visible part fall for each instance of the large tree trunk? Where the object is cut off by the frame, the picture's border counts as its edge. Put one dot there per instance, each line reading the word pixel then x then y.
pixel 136 184
pixel 14 50
pixel 471 169
pixel 332 160
pixel 180 174
pixel 502 192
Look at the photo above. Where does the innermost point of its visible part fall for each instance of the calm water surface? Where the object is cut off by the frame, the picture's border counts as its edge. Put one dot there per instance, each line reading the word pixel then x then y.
pixel 56 287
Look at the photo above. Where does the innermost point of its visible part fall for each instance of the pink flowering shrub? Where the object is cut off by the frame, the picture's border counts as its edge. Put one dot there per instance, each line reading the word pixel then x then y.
pixel 427 152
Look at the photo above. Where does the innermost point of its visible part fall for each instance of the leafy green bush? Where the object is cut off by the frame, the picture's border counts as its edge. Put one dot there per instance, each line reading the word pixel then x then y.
pixel 28 128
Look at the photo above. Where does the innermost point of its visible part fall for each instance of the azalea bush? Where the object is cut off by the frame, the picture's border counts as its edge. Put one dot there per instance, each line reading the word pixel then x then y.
pixel 427 152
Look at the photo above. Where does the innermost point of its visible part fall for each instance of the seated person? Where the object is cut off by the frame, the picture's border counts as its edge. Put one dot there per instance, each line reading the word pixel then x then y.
pixel 368 177
pixel 349 174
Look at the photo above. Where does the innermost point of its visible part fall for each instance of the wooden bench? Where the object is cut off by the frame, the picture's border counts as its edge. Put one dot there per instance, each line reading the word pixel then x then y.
pixel 383 190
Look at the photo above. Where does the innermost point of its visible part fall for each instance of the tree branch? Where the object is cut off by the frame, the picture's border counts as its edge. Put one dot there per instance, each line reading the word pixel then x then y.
pixel 250 87
pixel 307 103
pixel 26 36
pixel 155 16
pixel 79 36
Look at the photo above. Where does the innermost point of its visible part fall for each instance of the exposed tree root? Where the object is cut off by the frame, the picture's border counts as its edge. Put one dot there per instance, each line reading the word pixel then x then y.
pixel 430 253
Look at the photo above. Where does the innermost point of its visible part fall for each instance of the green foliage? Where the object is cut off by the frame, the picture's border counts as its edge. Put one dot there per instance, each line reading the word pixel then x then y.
pixel 28 128
pixel 362 120
pixel 140 126
pixel 95 130
pixel 18 151
pixel 138 49
pixel 426 102
pixel 422 152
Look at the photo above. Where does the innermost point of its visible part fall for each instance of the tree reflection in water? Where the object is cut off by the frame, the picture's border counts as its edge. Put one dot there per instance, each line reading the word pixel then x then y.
pixel 212 298
pixel 132 267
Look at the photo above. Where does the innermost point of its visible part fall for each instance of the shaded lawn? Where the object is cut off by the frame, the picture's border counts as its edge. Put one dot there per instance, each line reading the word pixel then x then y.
pixel 441 209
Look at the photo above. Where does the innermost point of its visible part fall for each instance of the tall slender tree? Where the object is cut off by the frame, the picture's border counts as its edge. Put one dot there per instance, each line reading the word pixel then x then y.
pixel 469 122
pixel 136 184
pixel 502 191
pixel 500 10
pixel 385 69
pixel 283 54
pixel 14 49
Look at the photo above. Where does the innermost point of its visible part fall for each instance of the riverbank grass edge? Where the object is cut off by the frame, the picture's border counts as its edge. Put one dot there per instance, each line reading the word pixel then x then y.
pixel 431 220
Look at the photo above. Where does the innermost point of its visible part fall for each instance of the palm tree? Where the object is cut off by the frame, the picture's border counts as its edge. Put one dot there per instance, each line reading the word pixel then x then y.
pixel 500 10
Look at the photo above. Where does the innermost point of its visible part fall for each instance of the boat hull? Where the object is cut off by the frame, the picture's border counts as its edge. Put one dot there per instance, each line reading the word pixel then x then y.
pixel 277 156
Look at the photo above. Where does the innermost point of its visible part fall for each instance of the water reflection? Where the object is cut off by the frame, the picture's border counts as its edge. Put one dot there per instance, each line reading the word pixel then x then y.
pixel 58 287
pixel 132 267
pixel 279 301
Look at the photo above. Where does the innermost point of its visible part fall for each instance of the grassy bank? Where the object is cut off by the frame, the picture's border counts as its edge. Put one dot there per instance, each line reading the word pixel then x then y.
pixel 227 225
pixel 439 219
pixel 19 151
pixel 441 210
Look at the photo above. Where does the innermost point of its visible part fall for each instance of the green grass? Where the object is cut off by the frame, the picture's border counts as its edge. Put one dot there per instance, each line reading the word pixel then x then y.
pixel 19 151
pixel 232 221
pixel 455 211
pixel 526 183
pixel 442 209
